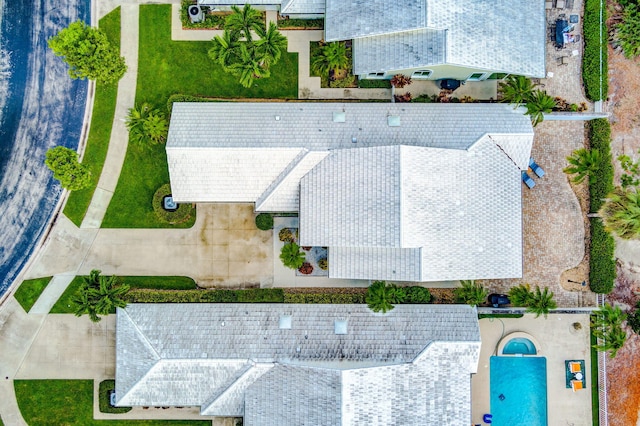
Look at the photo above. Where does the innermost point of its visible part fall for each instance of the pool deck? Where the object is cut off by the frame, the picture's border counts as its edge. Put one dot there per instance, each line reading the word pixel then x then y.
pixel 559 341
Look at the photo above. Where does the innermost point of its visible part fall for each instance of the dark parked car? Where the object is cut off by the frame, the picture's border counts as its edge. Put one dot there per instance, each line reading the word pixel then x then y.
pixel 498 300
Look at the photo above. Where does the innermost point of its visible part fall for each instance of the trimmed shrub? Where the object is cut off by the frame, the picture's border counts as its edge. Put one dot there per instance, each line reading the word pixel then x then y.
pixel 210 21
pixel 264 221
pixel 256 295
pixel 417 294
pixel 593 49
pixel 323 264
pixel 602 264
pixel 286 236
pixel 306 268
pixel 633 319
pixel 374 84
pixel 104 393
pixel 182 214
pixel 471 293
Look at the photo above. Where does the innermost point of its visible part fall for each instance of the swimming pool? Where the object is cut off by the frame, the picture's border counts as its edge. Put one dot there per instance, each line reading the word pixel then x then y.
pixel 518 391
pixel 519 345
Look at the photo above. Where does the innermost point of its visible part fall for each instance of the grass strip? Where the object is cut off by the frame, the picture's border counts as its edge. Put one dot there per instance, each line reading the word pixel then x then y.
pixel 29 291
pixel 165 68
pixel 593 49
pixel 70 402
pixel 595 399
pixel 104 106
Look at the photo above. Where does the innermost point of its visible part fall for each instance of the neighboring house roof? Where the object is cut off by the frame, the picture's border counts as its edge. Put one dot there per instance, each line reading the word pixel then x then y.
pixel 234 152
pixel 494 35
pixel 302 7
pixel 346 20
pixel 279 363
pixel 460 208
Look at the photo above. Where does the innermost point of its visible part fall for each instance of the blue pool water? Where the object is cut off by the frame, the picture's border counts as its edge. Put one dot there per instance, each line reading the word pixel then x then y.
pixel 40 107
pixel 518 391
pixel 519 345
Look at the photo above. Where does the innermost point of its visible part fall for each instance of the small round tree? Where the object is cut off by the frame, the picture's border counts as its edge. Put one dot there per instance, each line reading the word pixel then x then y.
pixel 520 295
pixel 541 302
pixel 66 168
pixel 291 256
pixel 583 163
pixel 88 53
pixel 264 221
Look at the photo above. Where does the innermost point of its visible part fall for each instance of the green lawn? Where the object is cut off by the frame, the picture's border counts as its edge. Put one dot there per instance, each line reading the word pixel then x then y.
pixel 104 105
pixel 70 402
pixel 595 400
pixel 165 68
pixel 65 306
pixel 29 291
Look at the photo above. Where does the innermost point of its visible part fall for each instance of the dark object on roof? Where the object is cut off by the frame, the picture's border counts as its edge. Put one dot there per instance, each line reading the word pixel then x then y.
pixel 449 84
pixel 498 300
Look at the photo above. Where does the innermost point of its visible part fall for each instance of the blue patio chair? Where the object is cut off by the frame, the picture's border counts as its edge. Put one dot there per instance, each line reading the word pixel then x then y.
pixel 536 169
pixel 528 180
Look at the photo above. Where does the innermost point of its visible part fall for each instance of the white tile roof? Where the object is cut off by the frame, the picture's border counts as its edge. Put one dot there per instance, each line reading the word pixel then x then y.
pixel 302 7
pixel 404 197
pixel 224 152
pixel 346 20
pixel 233 357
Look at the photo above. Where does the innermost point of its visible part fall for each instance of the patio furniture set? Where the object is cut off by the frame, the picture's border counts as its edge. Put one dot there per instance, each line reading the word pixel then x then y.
pixel 535 168
pixel 575 375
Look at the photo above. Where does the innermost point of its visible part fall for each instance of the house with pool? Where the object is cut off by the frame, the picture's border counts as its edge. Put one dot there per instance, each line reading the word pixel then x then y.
pixel 466 40
pixel 289 364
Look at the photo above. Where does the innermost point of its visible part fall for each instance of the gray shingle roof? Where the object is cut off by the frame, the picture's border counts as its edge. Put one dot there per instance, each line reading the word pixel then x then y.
pixel 234 151
pixel 497 36
pixel 346 20
pixel 399 51
pixel 211 354
pixel 386 198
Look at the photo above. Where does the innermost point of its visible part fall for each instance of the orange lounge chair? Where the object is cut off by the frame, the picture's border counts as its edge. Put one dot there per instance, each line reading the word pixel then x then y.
pixel 576 385
pixel 575 367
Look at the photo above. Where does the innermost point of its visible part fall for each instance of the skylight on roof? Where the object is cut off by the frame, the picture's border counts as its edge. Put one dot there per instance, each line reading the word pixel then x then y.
pixel 339 117
pixel 340 326
pixel 285 322
pixel 393 120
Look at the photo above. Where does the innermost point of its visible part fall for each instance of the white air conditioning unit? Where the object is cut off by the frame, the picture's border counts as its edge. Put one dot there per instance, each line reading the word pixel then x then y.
pixel 195 13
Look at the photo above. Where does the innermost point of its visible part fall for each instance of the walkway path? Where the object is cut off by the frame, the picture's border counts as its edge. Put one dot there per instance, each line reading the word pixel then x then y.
pixel 119 133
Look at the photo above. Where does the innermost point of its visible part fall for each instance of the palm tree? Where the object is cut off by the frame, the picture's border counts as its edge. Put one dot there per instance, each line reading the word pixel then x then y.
pixel 380 297
pixel 607 316
pixel 249 68
pixel 516 89
pixel 270 46
pixel 291 256
pixel 613 341
pixel 541 302
pixel 538 104
pixel 620 213
pixel 520 295
pixel 471 293
pixel 156 127
pixel 99 295
pixel 225 49
pixel 244 21
pixel 333 57
pixel 109 296
pixel 136 118
pixel 583 163
pixel 606 324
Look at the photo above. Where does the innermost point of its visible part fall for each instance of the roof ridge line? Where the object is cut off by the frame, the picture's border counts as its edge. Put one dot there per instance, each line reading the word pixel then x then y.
pixel 271 189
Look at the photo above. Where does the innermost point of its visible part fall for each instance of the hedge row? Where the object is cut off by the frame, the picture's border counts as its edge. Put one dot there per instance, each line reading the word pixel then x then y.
pixel 602 264
pixel 367 83
pixel 255 295
pixel 317 23
pixel 600 139
pixel 591 75
pixel 337 298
